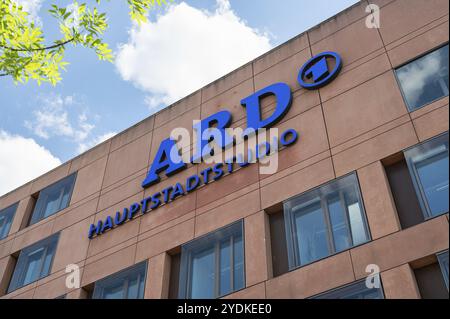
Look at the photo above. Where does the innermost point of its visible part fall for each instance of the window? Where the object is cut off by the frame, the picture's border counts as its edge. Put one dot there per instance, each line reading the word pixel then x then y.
pixel 430 279
pixel 428 166
pixel 324 221
pixel 34 262
pixel 174 279
pixel 213 266
pixel 425 79
pixel 6 217
pixel 357 290
pixel 402 188
pixel 280 263
pixel 443 262
pixel 53 199
pixel 127 284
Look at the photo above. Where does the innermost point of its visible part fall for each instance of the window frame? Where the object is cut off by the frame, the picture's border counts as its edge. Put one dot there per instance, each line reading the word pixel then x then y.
pixel 7 215
pixel 293 251
pixel 205 242
pixel 443 259
pixel 18 276
pixel 352 287
pixel 410 109
pixel 431 143
pixel 38 211
pixel 122 275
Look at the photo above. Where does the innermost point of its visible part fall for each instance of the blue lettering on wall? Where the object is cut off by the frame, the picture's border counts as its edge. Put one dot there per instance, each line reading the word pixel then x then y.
pixel 314 74
pixel 283 94
pixel 166 159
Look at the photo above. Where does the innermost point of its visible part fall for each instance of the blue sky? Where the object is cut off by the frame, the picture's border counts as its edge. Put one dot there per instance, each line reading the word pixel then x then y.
pixel 97 99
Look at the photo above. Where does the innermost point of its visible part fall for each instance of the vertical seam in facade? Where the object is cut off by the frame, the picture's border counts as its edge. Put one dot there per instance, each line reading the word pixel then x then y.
pixel 351 262
pixel 259 176
pixel 96 206
pixel 393 70
pixel 323 114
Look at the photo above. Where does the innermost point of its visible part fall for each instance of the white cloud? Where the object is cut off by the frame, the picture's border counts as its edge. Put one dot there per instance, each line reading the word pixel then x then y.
pixel 21 160
pixel 95 141
pixel 55 117
pixel 32 7
pixel 185 49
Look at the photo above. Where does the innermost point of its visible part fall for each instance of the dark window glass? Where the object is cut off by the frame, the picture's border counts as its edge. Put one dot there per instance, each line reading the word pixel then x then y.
pixel 428 166
pixel 357 290
pixel 6 218
pixel 126 284
pixel 174 280
pixel 406 201
pixel 324 221
pixel 425 79
pixel 280 263
pixel 430 282
pixel 213 265
pixel 53 199
pixel 34 262
pixel 443 262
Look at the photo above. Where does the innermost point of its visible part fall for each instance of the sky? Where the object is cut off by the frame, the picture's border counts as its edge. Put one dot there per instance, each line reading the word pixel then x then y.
pixel 185 46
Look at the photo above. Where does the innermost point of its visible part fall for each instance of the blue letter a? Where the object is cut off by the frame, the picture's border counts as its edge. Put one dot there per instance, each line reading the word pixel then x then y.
pixel 167 159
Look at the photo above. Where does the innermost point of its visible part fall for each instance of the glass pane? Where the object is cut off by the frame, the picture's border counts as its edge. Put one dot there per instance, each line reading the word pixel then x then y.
pixel 33 267
pixel 126 284
pixel 53 199
pixel 357 222
pixel 140 294
pixel 133 288
pixel 114 291
pixel 443 262
pixel 34 262
pixel 428 166
pixel 6 217
pixel 213 265
pixel 433 175
pixel 356 290
pixel 425 79
pixel 311 233
pixel 47 262
pixel 238 263
pixel 51 204
pixel 3 226
pixel 338 220
pixel 225 267
pixel 203 274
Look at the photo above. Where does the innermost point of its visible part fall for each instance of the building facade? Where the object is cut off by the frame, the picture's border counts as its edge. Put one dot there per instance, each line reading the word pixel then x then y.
pixel 363 191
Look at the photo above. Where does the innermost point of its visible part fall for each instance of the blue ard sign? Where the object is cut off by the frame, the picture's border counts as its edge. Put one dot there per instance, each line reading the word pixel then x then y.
pixel 314 74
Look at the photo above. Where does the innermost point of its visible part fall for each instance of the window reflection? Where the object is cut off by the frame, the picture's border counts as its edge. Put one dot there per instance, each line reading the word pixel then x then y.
pixel 34 262
pixel 325 221
pixel 6 218
pixel 53 199
pixel 426 79
pixel 126 284
pixel 213 265
pixel 357 290
pixel 428 165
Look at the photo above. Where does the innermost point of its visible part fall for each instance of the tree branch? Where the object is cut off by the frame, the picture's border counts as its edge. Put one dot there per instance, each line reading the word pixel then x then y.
pixel 38 49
